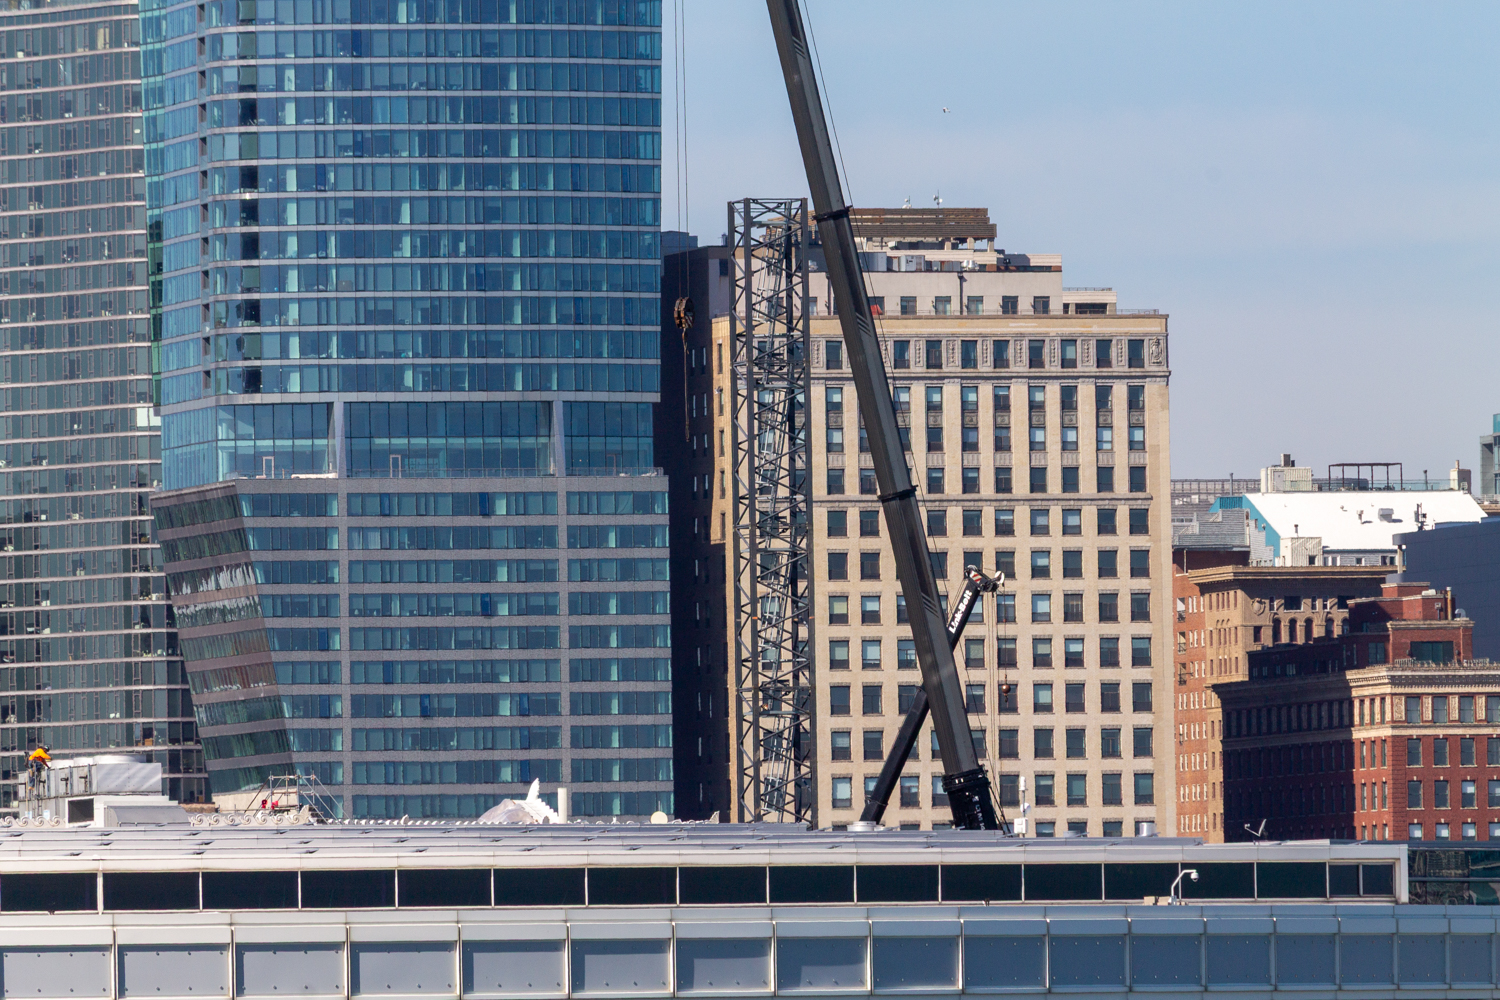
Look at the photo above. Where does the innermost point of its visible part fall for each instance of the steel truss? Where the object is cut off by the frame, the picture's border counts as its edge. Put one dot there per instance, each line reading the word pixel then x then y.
pixel 772 501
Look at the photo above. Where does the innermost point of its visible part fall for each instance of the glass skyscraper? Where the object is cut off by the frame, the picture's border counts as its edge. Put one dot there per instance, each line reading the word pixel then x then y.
pixel 407 337
pixel 87 659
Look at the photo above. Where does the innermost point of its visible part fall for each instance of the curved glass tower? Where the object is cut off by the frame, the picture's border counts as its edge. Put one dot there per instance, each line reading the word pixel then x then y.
pixel 87 661
pixel 405 290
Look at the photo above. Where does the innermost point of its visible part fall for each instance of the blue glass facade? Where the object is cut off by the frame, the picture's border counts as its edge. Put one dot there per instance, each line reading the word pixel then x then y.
pixel 398 239
pixel 88 659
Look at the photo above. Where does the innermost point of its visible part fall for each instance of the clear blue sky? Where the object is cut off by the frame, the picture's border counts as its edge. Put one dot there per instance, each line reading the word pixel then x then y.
pixel 1312 191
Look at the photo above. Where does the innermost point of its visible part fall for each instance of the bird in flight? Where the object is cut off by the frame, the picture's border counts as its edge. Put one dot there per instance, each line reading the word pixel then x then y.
pixel 946 111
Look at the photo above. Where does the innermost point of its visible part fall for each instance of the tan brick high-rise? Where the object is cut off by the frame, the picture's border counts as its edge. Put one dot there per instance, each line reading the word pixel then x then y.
pixel 1038 423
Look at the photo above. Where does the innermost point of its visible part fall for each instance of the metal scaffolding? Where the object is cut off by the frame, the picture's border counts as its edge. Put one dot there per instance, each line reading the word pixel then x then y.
pixel 772 500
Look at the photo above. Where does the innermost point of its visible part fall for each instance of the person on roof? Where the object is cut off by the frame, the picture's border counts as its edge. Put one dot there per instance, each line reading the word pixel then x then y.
pixel 36 762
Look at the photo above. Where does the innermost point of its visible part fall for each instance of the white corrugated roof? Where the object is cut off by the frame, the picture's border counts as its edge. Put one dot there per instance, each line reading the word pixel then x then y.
pixel 1351 521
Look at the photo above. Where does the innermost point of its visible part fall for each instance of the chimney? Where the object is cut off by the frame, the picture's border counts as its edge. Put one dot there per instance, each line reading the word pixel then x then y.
pixel 1286 461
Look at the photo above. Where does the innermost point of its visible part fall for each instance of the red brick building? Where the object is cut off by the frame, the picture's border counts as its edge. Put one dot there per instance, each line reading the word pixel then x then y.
pixel 1391 731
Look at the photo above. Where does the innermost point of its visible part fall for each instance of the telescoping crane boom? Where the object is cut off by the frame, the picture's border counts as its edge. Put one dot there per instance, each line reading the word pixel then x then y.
pixel 966 783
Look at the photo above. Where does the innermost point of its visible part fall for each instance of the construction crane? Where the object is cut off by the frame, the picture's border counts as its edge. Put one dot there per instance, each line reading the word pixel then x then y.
pixel 966 783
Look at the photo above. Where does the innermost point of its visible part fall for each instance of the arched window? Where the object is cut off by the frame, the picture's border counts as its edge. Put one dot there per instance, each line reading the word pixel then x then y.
pixel 1307 630
pixel 1328 627
pixel 1291 630
pixel 1275 631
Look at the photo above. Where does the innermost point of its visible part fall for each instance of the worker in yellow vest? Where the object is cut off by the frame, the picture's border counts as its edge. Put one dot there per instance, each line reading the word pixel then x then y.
pixel 36 762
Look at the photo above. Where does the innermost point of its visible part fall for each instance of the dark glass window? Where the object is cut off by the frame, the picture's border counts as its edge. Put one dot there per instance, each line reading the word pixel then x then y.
pixel 445 887
pixel 27 893
pixel 739 884
pixel 1343 880
pixel 349 890
pixel 1063 882
pixel 1291 880
pixel 151 890
pixel 1221 880
pixel 251 890
pixel 1137 881
pixel 812 884
pixel 981 883
pixel 632 886
pixel 898 883
pixel 536 887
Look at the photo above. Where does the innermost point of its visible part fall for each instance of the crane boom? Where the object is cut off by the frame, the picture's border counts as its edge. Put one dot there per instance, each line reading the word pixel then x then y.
pixel 966 783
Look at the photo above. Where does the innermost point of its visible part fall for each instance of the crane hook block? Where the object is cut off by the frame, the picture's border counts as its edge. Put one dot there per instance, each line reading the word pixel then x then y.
pixel 682 313
pixel 970 799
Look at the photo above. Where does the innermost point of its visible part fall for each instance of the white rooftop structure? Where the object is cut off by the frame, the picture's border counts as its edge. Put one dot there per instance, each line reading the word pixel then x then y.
pixel 1344 528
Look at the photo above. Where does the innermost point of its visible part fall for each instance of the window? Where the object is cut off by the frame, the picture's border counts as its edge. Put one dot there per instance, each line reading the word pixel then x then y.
pixel 971 473
pixel 1140 651
pixel 1433 652
pixel 1109 651
pixel 901 349
pixel 838 698
pixel 1141 742
pixel 869 524
pixel 934 438
pixel 1073 698
pixel 1001 349
pixel 1069 472
pixel 974 699
pixel 974 652
pixel 1069 353
pixel 1414 753
pixel 843 793
pixel 1140 606
pixel 874 740
pixel 1073 608
pixel 906 654
pixel 939 562
pixel 1468 795
pixel 934 353
pixel 869 654
pixel 1104 440
pixel 1104 354
pixel 838 654
pixel 968 351
pixel 1077 790
pixel 1005 522
pixel 1010 305
pixel 1041 305
pixel 1041 651
pixel 1109 567
pixel 1002 479
pixel 905 695
pixel 1041 521
pixel 1041 564
pixel 1135 353
pixel 838 609
pixel 901 618
pixel 1414 830
pixel 877 305
pixel 908 305
pixel 1038 439
pixel 942 305
pixel 1041 608
pixel 1109 743
pixel 1440 752
pixel 911 795
pixel 1043 796
pixel 833 355
pixel 1106 519
pixel 1104 479
pixel 1439 707
pixel 937 522
pixel 1005 607
pixel 1140 521
pixel 1109 696
pixel 869 565
pixel 1466 708
pixel 870 703
pixel 1137 438
pixel 835 482
pixel 977 737
pixel 1041 699
pixel 1137 479
pixel 1010 744
pixel 1440 794
pixel 1493 788
pixel 973 522
pixel 1140 563
pixel 1109 794
pixel 1140 696
pixel 1145 793
pixel 935 480
pixel 869 609
pixel 1073 649
pixel 1413 710
pixel 838 565
pixel 838 523
pixel 1109 606
pixel 840 743
pixel 1036 356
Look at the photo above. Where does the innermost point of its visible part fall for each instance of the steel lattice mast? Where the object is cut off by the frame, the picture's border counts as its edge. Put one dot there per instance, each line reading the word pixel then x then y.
pixel 772 504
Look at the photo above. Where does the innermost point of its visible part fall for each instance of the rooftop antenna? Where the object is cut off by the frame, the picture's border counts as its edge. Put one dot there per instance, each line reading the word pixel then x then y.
pixel 937 200
pixel 907 202
pixel 1258 832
